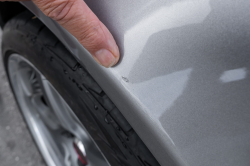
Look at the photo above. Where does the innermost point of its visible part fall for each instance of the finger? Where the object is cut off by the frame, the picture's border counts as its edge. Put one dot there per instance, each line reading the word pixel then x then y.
pixel 76 17
pixel 13 0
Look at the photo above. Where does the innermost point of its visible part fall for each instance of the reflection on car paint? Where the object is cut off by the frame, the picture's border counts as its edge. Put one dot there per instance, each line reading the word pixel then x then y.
pixel 233 75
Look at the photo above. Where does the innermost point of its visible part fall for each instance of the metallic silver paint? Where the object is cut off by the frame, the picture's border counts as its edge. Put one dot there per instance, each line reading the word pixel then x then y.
pixel 183 79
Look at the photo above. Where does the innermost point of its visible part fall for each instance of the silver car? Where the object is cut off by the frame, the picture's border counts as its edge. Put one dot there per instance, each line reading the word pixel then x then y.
pixel 180 95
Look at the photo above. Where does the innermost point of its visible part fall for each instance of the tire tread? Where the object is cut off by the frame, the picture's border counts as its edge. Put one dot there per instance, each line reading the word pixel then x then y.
pixel 126 146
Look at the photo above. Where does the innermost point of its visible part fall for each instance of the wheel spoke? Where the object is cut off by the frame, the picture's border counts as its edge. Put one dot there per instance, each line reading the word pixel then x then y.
pixel 51 121
pixel 45 112
pixel 61 110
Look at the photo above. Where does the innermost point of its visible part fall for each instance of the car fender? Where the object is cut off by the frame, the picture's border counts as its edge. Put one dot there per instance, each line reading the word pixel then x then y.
pixel 183 69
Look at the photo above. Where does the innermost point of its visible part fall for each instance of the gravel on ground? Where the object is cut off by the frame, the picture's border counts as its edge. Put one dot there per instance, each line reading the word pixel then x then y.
pixel 17 147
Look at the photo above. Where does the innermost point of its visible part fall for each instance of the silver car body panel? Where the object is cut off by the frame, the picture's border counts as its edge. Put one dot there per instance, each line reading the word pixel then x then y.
pixel 183 79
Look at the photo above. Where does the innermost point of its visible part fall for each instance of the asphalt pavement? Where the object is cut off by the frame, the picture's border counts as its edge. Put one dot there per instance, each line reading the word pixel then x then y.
pixel 17 147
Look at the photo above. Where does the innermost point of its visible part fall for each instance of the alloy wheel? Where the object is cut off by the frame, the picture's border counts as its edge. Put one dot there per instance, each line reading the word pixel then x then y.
pixel 60 136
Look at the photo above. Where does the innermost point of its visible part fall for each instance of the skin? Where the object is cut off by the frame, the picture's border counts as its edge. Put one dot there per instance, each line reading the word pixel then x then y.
pixel 77 18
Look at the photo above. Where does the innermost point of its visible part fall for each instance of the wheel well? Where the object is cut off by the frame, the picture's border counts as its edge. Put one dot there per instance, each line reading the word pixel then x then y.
pixel 9 10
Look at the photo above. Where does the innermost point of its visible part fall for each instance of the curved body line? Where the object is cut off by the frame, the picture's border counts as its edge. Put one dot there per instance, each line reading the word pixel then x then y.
pixel 182 75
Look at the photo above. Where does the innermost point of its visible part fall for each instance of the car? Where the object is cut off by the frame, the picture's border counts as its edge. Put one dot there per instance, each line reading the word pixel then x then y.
pixel 179 95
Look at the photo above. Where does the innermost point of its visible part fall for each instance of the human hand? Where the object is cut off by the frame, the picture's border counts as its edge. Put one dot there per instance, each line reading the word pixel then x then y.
pixel 76 17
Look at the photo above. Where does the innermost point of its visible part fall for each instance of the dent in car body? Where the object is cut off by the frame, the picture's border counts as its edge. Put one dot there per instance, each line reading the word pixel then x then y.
pixel 187 62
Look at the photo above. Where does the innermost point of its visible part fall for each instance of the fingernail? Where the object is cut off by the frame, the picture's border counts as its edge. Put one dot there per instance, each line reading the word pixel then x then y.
pixel 114 48
pixel 105 57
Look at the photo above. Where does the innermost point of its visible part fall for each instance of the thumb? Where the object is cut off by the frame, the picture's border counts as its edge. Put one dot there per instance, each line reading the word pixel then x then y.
pixel 76 17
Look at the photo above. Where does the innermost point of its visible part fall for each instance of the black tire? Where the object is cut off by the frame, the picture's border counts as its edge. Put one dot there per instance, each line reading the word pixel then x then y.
pixel 110 130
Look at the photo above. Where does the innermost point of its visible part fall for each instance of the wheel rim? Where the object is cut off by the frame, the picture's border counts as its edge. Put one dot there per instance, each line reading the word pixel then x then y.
pixel 60 136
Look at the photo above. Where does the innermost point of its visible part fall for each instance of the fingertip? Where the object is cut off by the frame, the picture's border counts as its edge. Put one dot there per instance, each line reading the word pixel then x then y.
pixel 105 58
pixel 117 57
pixel 115 51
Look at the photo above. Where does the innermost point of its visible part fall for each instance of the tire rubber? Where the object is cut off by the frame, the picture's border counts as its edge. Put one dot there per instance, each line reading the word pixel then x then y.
pixel 29 37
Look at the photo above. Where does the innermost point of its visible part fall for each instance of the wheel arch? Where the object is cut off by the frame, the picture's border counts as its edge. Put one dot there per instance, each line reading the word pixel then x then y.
pixel 111 81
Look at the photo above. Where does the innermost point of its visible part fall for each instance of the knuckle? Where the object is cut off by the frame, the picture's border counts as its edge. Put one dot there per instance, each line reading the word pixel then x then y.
pixel 91 36
pixel 57 9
